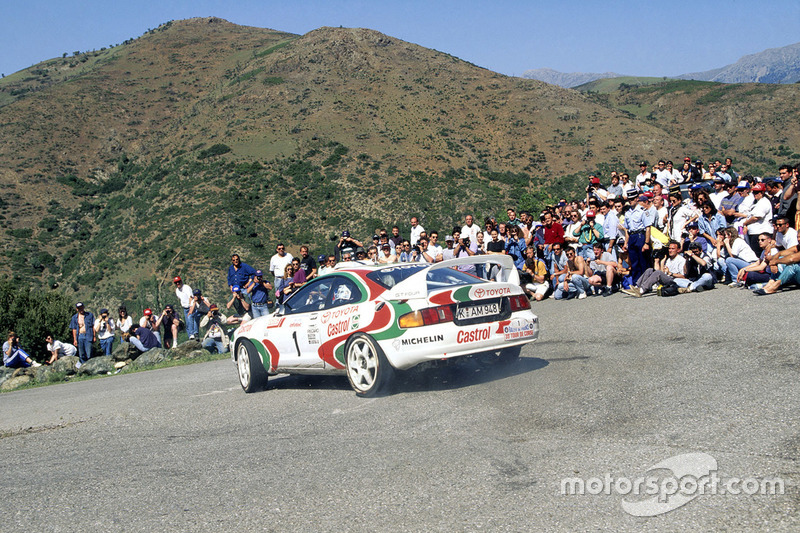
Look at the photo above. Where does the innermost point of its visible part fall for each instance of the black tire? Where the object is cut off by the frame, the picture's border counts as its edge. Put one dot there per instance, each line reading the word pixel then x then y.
pixel 249 366
pixel 368 370
pixel 509 355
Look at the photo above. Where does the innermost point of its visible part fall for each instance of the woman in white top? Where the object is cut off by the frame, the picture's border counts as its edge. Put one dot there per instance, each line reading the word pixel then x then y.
pixel 124 322
pixel 740 255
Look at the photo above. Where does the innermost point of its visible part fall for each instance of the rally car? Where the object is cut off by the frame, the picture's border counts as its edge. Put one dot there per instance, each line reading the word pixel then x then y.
pixel 365 321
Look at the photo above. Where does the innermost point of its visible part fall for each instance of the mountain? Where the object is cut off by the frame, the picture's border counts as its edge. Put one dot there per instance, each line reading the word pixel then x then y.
pixel 122 167
pixel 774 65
pixel 566 79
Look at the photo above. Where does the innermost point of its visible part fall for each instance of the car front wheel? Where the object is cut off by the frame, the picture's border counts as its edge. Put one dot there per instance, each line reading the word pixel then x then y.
pixel 252 374
pixel 368 370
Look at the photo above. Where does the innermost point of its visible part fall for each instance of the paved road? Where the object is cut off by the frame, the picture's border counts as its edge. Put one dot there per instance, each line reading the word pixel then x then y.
pixel 615 386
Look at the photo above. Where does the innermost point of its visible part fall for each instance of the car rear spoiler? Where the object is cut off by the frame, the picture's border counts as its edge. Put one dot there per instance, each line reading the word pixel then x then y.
pixel 416 286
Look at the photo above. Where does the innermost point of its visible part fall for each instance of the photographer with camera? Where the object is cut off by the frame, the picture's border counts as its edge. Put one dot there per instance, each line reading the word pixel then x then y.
pixel 171 324
pixel 240 307
pixel 346 244
pixel 104 328
pixel 258 289
pixel 588 234
pixel 14 356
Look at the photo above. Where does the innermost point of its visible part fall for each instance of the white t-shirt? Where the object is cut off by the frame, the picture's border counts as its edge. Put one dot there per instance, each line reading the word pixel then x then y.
pixel 125 325
pixel 64 350
pixel 277 264
pixel 434 251
pixel 676 265
pixel 743 251
pixel 717 197
pixel 788 239
pixel 415 233
pixel 763 211
pixel 184 294
pixel 106 332
pixel 663 177
pixel 472 231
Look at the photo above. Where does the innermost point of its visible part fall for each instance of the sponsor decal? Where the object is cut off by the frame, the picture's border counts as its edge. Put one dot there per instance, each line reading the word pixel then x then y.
pixel 313 335
pixel 354 321
pixel 518 329
pixel 491 292
pixel 327 316
pixel 335 328
pixel 295 323
pixel 421 340
pixel 396 344
pixel 275 322
pixel 313 316
pixel 474 335
pixel 245 328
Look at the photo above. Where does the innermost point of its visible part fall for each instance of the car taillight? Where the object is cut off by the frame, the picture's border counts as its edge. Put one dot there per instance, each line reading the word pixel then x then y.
pixel 427 317
pixel 519 302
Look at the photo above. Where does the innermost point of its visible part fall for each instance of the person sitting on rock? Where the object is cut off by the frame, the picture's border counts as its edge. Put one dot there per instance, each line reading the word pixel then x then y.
pixel 143 339
pixel 14 356
pixel 58 349
pixel 171 324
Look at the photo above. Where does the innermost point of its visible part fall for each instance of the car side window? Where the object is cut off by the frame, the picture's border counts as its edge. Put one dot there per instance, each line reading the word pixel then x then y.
pixel 324 293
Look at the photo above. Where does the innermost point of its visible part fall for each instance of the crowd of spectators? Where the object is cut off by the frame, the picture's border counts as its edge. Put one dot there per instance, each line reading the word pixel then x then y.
pixel 668 231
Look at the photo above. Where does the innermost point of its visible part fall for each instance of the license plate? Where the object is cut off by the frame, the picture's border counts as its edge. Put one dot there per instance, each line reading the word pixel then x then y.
pixel 478 311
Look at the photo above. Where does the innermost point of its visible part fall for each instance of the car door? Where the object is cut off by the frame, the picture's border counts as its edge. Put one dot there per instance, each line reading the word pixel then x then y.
pixel 337 318
pixel 297 338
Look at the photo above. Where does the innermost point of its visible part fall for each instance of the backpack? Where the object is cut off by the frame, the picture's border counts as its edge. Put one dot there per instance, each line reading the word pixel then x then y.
pixel 668 289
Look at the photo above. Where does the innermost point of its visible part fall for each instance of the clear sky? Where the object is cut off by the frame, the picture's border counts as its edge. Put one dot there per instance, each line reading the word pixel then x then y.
pixel 507 36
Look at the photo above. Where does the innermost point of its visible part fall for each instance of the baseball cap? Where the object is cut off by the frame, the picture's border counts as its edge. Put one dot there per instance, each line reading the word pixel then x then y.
pixel 176 279
pixel 698 162
pixel 759 187
pixel 594 180
pixel 79 305
pixel 643 163
pixel 375 237
pixel 104 311
pixel 236 288
pixel 687 159
pixel 643 198
pixel 322 258
pixel 692 225
pixel 213 307
pixel 718 179
pixel 743 185
pixel 197 292
pixel 345 233
pixel 590 213
pixel 449 238
pixel 148 312
pixel 259 273
pixel 169 306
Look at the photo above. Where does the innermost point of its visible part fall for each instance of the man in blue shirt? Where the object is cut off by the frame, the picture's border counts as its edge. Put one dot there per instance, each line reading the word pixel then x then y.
pixel 143 339
pixel 239 274
pixel 638 241
pixel 82 326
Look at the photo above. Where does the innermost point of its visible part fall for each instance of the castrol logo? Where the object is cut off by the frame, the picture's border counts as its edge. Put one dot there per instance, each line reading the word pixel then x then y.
pixel 336 328
pixel 491 292
pixel 473 336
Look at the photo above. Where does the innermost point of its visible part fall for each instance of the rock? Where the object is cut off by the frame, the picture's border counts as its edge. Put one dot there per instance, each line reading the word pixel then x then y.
pixel 5 373
pixel 15 382
pixel 42 374
pixel 123 351
pixel 66 365
pixel 150 357
pixel 183 350
pixel 97 365
pixel 197 353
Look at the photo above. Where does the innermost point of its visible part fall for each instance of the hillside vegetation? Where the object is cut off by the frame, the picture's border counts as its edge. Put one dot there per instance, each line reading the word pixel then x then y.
pixel 122 167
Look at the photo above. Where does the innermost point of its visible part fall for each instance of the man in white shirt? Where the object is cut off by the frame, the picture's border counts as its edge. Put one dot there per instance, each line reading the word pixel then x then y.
pixel 470 228
pixel 434 250
pixel 278 262
pixel 184 294
pixel 719 193
pixel 759 218
pixel 416 230
pixel 785 236
pixel 663 176
pixel 643 176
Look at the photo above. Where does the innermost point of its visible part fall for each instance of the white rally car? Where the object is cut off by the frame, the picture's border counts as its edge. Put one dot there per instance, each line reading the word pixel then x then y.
pixel 366 320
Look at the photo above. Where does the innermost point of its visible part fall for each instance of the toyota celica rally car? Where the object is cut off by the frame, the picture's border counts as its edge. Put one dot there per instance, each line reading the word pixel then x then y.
pixel 366 320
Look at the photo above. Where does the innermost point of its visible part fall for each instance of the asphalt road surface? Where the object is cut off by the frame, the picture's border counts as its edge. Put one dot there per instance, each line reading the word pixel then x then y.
pixel 613 387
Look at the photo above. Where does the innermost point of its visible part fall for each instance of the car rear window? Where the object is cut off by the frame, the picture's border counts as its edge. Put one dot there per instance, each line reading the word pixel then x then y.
pixel 437 279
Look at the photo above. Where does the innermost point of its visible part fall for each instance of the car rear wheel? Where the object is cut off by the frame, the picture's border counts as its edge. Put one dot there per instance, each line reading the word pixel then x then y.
pixel 510 354
pixel 368 370
pixel 252 374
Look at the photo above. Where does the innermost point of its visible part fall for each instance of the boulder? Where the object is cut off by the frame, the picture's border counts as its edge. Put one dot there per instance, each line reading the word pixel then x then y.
pixel 183 350
pixel 5 373
pixel 97 365
pixel 42 374
pixel 124 351
pixel 66 364
pixel 150 357
pixel 197 353
pixel 15 382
